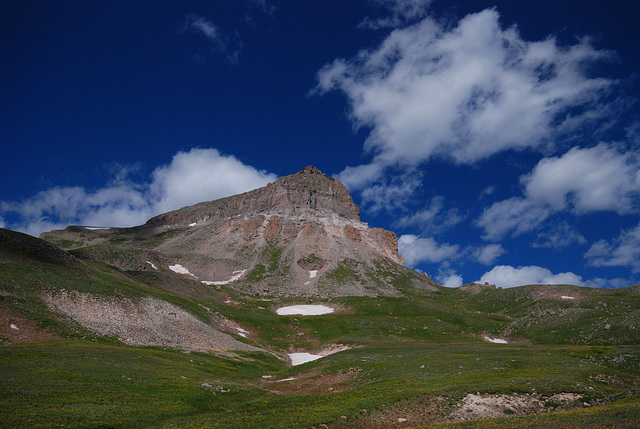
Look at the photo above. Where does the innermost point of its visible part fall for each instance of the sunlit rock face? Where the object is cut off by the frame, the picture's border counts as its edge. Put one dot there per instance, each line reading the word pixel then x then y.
pixel 300 235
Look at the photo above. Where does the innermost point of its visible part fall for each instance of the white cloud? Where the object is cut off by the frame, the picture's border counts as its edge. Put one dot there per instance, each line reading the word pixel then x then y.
pixel 506 276
pixel 622 251
pixel 463 93
pixel 191 177
pixel 390 193
pixel 450 280
pixel 266 7
pixel 601 178
pixel 558 236
pixel 517 214
pixel 218 41
pixel 202 175
pixel 402 12
pixel 416 250
pixel 432 219
pixel 585 180
pixel 488 254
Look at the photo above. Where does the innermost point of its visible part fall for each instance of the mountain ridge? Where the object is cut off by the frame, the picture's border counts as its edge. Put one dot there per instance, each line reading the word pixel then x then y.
pixel 300 235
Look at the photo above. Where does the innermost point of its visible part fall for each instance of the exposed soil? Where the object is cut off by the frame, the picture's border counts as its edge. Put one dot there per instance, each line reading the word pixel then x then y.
pixel 144 322
pixel 18 329
pixel 485 405
pixel 313 382
pixel 430 410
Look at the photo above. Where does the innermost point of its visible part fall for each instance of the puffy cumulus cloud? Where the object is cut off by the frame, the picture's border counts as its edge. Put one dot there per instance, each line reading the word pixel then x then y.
pixel 463 92
pixel 601 178
pixel 488 254
pixel 201 175
pixel 218 41
pixel 585 180
pixel 506 276
pixel 450 279
pixel 622 251
pixel 191 177
pixel 415 250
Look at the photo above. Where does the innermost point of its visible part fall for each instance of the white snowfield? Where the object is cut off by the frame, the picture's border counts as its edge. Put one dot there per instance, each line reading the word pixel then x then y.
pixel 234 276
pixel 304 310
pixel 180 269
pixel 300 358
pixel 496 340
pixel 567 297
pixel 152 265
pixel 313 273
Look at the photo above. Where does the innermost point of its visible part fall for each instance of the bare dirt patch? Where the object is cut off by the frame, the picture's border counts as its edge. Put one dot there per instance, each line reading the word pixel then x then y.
pixel 313 382
pixel 18 329
pixel 408 413
pixel 485 405
pixel 146 321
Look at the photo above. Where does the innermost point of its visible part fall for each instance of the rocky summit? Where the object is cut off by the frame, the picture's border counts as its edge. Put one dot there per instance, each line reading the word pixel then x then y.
pixel 300 235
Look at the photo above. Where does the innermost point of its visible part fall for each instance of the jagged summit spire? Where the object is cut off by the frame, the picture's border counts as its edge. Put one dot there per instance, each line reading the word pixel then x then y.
pixel 310 169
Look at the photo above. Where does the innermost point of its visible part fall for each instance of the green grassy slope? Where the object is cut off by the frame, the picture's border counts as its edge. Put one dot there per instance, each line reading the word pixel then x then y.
pixel 413 357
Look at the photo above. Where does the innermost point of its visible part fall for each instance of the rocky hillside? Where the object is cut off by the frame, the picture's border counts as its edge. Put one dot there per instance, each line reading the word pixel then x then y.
pixel 300 235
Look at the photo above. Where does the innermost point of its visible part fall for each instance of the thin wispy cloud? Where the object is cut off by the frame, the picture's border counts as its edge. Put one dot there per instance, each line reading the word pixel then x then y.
pixel 400 13
pixel 622 251
pixel 218 41
pixel 191 177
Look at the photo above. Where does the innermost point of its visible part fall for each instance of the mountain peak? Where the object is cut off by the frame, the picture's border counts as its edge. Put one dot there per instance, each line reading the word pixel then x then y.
pixel 310 169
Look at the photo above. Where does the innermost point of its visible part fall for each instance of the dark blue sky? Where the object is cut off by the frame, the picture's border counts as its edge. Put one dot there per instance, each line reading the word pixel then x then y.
pixel 499 140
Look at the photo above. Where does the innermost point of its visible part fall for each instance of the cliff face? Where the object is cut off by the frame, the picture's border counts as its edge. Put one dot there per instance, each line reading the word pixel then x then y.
pixel 300 235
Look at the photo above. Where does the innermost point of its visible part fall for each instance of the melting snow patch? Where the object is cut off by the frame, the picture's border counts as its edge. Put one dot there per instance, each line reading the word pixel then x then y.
pixel 304 310
pixel 242 332
pixel 152 266
pixel 14 327
pixel 496 340
pixel 300 358
pixel 193 224
pixel 313 273
pixel 180 269
pixel 286 379
pixel 235 276
pixel 567 297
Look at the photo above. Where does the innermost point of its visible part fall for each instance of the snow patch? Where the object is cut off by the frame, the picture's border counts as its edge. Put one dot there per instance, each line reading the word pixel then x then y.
pixel 567 297
pixel 285 379
pixel 242 332
pixel 193 224
pixel 235 276
pixel 304 310
pixel 313 273
pixel 180 269
pixel 300 358
pixel 152 266
pixel 14 327
pixel 496 340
